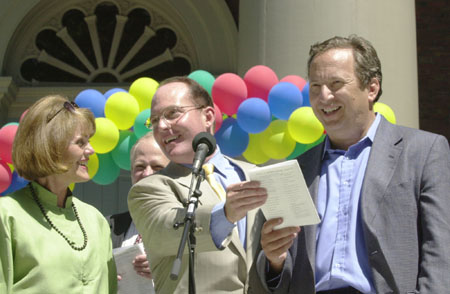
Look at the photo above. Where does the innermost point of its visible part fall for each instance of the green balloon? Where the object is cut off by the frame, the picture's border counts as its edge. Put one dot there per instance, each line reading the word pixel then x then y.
pixel 139 124
pixel 121 153
pixel 107 172
pixel 302 148
pixel 204 78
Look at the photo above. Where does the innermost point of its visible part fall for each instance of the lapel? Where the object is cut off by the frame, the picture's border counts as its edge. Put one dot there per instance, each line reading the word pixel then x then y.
pixel 252 239
pixel 383 159
pixel 183 176
pixel 310 164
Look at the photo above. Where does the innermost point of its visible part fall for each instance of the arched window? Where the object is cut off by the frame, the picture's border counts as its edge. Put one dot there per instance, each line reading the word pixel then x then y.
pixel 105 47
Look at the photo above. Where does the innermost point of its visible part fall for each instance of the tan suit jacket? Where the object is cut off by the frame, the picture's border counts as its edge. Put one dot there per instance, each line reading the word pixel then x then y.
pixel 157 202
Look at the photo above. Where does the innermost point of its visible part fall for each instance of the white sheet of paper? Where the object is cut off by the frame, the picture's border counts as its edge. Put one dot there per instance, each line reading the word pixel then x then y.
pixel 289 196
pixel 131 282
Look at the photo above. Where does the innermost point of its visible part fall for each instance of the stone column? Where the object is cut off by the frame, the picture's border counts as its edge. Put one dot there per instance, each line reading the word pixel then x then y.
pixel 279 34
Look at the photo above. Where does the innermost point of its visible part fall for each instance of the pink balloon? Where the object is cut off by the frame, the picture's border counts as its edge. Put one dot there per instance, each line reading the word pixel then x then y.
pixel 228 91
pixel 296 80
pixel 5 176
pixel 23 114
pixel 259 80
pixel 7 134
pixel 219 117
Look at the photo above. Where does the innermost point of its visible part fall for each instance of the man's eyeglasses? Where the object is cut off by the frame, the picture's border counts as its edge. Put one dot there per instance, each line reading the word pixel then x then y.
pixel 70 106
pixel 169 115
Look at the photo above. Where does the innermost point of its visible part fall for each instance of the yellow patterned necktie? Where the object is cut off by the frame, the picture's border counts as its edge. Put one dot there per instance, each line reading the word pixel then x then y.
pixel 217 187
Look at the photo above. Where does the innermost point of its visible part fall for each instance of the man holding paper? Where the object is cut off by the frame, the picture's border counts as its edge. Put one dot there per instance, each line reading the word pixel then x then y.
pixel 146 158
pixel 227 226
pixel 381 191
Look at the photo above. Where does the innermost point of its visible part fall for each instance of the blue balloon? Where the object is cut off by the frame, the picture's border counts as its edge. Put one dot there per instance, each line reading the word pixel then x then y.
pixel 305 93
pixel 92 99
pixel 231 139
pixel 112 91
pixel 284 98
pixel 17 183
pixel 253 115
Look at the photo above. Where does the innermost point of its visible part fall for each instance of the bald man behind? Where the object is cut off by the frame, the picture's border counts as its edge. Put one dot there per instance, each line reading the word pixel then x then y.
pixel 146 158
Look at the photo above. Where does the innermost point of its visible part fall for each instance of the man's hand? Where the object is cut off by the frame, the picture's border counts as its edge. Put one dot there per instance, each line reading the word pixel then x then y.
pixel 243 197
pixel 276 243
pixel 141 266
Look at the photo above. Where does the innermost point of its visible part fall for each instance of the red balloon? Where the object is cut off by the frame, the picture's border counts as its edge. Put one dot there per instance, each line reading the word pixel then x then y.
pixel 7 134
pixel 219 117
pixel 259 80
pixel 228 91
pixel 5 176
pixel 296 80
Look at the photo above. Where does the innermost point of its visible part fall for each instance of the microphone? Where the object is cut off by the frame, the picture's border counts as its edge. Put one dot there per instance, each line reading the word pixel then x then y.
pixel 204 145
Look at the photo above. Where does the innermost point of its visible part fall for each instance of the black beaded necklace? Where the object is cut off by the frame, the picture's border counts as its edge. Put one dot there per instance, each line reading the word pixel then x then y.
pixel 41 207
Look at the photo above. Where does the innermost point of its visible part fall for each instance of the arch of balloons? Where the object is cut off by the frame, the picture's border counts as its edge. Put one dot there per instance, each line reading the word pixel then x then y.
pixel 258 116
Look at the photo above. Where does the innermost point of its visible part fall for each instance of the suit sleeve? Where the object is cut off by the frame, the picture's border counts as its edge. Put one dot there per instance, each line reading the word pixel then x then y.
pixel 434 208
pixel 156 205
pixel 279 284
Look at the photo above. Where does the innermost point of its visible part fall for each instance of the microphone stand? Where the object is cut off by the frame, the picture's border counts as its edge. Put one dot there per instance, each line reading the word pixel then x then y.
pixel 189 229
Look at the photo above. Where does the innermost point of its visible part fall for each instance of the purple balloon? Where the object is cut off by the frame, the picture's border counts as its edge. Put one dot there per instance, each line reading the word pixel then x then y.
pixel 231 139
pixel 92 99
pixel 253 115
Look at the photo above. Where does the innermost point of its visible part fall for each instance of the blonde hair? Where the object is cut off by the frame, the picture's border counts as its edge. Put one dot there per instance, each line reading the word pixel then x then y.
pixel 44 135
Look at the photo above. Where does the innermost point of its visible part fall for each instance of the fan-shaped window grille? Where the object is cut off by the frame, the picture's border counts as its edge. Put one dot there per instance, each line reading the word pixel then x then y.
pixel 105 47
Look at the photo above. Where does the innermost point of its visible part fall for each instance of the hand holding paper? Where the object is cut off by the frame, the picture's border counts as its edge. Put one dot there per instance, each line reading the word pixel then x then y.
pixel 131 282
pixel 289 197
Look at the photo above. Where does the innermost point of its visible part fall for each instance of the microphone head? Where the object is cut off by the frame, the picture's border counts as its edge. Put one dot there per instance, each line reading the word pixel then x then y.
pixel 205 138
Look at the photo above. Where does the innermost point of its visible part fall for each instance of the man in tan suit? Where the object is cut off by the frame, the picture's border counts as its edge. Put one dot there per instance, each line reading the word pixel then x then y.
pixel 227 231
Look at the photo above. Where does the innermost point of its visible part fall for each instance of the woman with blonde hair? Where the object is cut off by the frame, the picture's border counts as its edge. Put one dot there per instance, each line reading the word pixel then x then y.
pixel 51 242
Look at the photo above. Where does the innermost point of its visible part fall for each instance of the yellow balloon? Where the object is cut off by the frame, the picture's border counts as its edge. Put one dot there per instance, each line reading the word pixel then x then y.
pixel 386 111
pixel 11 167
pixel 276 141
pixel 122 109
pixel 303 125
pixel 254 153
pixel 106 135
pixel 92 165
pixel 143 90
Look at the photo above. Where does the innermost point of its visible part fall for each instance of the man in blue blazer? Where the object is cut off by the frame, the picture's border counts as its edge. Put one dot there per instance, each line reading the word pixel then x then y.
pixel 381 190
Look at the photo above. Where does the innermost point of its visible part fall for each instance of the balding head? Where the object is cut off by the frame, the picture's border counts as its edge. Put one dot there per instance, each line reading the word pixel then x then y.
pixel 146 158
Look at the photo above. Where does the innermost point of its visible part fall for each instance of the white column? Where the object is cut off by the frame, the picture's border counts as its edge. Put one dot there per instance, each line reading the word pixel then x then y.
pixel 279 34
